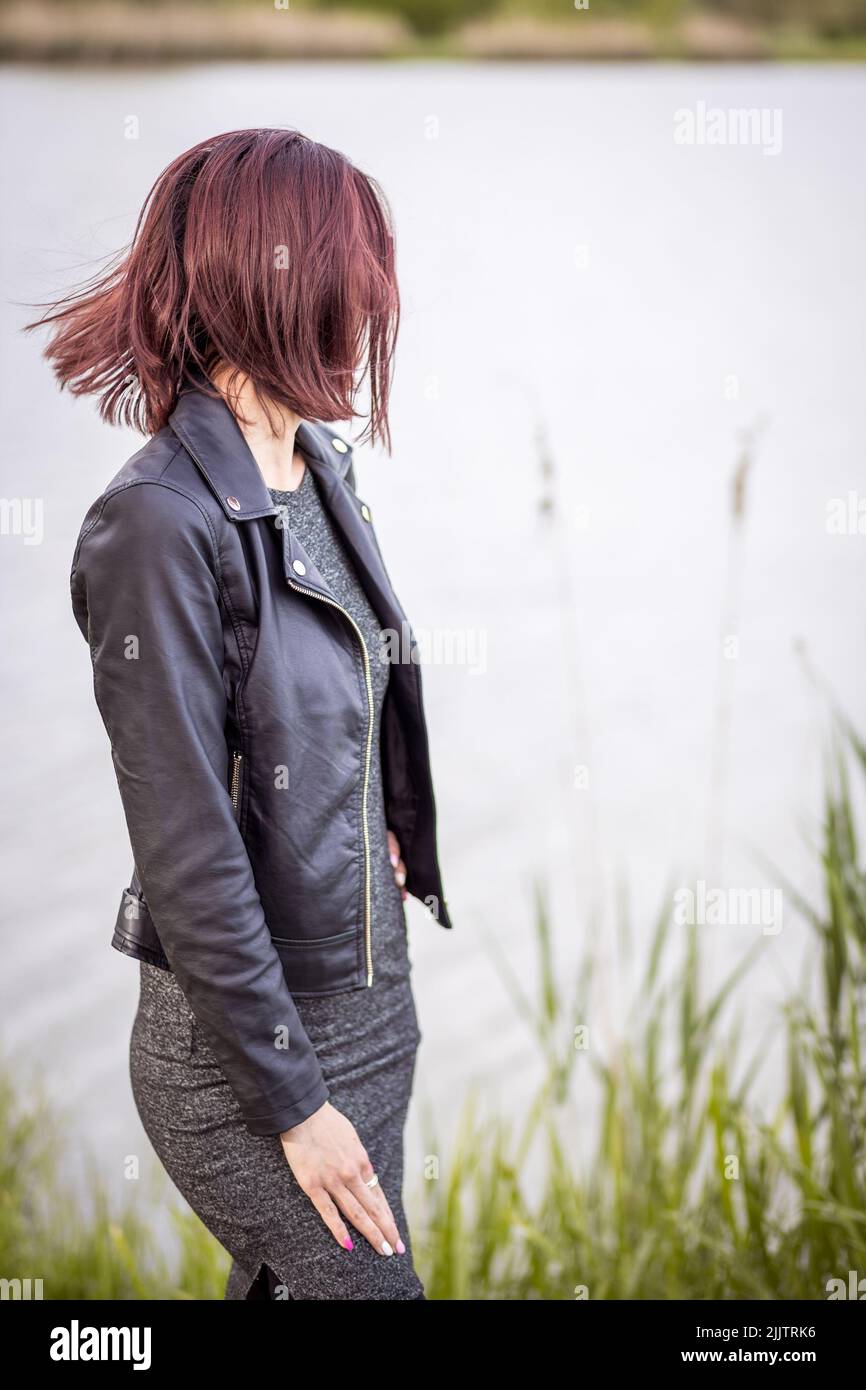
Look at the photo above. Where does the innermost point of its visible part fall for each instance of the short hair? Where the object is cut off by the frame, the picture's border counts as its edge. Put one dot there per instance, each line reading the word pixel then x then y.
pixel 261 250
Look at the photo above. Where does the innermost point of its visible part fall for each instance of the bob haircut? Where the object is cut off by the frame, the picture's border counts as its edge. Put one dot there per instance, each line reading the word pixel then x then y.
pixel 259 251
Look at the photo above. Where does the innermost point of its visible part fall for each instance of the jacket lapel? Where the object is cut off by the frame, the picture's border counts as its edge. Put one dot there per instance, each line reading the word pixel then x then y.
pixel 212 437
pixel 344 509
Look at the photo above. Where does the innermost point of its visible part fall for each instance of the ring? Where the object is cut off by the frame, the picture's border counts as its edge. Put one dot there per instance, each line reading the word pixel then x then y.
pixel 373 1181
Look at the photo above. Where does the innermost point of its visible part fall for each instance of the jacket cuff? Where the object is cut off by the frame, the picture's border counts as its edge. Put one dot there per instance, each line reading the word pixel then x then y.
pixel 276 1121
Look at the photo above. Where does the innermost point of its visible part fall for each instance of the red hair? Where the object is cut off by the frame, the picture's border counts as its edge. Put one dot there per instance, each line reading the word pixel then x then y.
pixel 259 250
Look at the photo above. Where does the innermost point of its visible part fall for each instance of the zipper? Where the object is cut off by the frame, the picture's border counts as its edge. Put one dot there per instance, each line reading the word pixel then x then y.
pixel 237 759
pixel 368 945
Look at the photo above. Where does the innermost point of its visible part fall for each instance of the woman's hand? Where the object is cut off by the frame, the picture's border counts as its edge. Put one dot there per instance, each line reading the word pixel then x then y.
pixel 397 863
pixel 331 1165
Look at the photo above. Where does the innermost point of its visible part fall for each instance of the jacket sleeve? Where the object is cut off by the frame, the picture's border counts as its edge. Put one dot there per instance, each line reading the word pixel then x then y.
pixel 146 594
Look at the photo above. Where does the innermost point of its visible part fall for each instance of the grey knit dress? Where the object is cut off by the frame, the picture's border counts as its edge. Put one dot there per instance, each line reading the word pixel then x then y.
pixel 366 1040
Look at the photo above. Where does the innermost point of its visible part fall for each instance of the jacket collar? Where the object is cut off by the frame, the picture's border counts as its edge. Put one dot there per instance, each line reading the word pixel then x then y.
pixel 212 437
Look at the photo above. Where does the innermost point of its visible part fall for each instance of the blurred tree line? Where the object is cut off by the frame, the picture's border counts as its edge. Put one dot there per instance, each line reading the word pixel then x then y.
pixel 832 18
pixel 827 18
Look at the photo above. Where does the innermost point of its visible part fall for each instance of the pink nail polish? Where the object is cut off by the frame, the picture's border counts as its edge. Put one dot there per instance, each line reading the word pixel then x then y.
pixel 347 1243
pixel 401 1249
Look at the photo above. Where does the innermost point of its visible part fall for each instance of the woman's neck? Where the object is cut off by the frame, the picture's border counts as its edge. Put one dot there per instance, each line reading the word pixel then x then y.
pixel 280 464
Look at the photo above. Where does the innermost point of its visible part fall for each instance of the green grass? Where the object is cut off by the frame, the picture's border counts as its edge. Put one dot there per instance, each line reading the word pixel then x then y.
pixel 84 1249
pixel 690 1188
pixel 689 1185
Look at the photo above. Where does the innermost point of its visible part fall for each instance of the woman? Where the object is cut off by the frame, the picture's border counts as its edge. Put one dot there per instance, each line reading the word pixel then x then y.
pixel 268 739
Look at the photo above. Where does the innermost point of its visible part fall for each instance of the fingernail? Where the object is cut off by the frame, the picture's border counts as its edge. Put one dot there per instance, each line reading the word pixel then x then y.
pixel 386 1249
pixel 401 1249
pixel 394 861
pixel 347 1243
pixel 401 878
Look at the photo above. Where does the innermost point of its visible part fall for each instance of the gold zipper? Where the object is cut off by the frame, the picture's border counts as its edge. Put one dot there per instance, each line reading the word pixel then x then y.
pixel 368 945
pixel 237 759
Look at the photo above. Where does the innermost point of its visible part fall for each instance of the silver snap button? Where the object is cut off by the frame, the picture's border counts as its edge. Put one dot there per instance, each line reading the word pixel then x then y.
pixel 299 567
pixel 365 511
pixel 340 447
pixel 234 504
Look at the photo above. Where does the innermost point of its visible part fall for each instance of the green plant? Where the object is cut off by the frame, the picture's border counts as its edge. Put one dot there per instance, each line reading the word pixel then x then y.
pixel 689 1190
pixel 75 1242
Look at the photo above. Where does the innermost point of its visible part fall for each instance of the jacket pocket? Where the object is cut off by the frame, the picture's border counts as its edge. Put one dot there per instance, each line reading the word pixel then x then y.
pixel 321 965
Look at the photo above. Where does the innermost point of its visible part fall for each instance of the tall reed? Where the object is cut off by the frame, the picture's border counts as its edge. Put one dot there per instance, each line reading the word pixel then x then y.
pixel 694 1185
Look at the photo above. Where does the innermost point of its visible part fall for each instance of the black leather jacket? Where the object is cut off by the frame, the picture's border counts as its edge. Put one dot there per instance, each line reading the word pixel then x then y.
pixel 228 679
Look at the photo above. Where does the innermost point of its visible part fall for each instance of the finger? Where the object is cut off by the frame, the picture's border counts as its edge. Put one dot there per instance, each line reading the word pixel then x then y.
pixel 400 873
pixel 360 1218
pixel 330 1215
pixel 375 1202
pixel 393 849
pixel 374 1199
